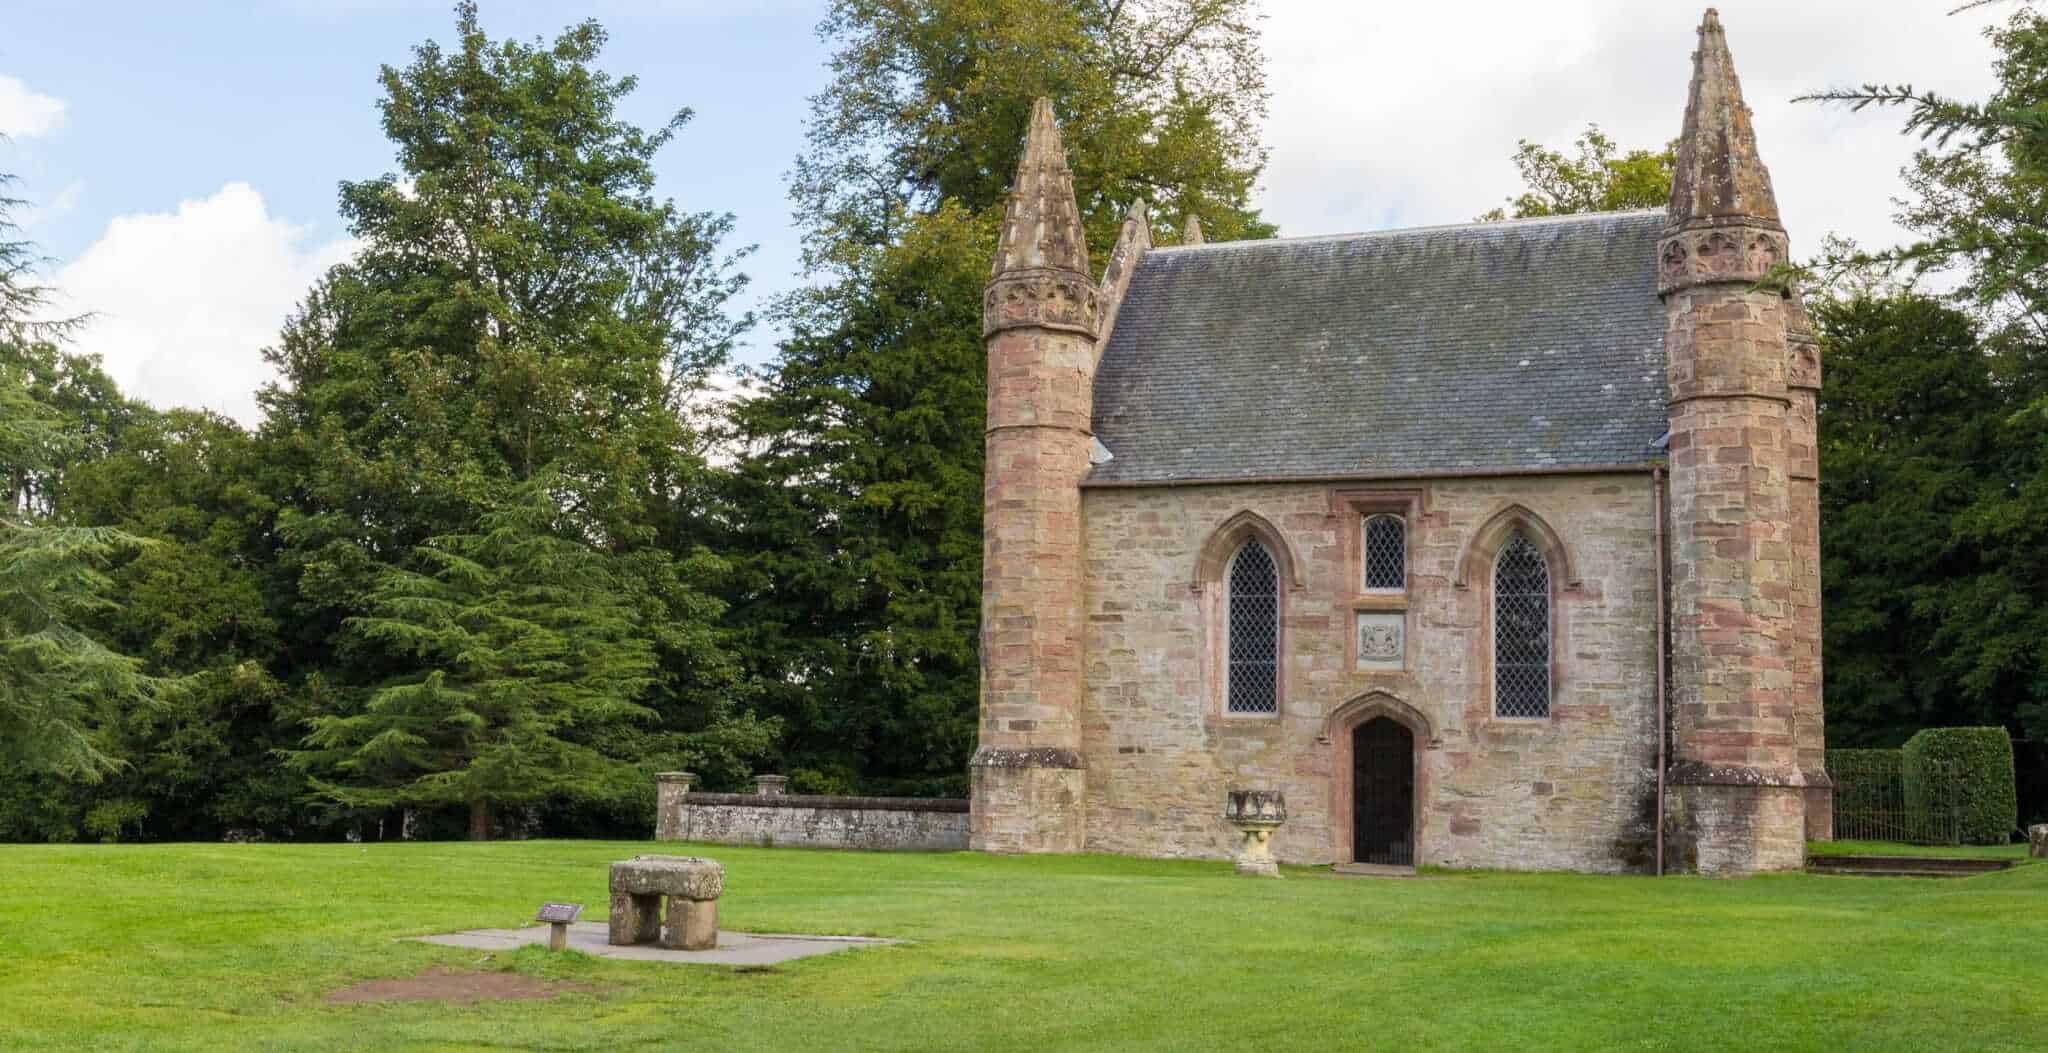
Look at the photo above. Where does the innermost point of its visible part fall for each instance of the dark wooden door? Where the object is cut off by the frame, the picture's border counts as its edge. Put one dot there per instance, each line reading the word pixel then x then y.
pixel 1383 793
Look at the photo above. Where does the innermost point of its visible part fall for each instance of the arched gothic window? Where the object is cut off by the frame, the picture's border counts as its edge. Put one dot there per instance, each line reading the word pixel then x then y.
pixel 1386 554
pixel 1521 630
pixel 1254 672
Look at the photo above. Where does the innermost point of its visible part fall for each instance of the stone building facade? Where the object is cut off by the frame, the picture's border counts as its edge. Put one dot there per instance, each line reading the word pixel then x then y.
pixel 1492 545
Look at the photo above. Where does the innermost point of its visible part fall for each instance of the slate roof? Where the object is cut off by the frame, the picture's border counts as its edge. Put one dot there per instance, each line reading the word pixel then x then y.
pixel 1514 345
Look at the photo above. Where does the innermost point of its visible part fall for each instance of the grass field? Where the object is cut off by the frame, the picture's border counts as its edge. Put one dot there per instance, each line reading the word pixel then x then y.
pixel 222 947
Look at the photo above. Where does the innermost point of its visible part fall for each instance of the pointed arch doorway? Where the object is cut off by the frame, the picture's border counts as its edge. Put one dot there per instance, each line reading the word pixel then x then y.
pixel 1383 793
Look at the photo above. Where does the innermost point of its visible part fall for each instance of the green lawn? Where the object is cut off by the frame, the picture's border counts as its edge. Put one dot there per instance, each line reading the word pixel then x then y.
pixel 213 947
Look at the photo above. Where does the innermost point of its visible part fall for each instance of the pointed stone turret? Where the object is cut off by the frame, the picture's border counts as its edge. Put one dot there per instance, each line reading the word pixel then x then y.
pixel 1191 230
pixel 1719 176
pixel 1039 315
pixel 1042 224
pixel 1744 549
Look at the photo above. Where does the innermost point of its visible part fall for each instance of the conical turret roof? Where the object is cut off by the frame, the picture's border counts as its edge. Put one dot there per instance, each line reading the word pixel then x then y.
pixel 1042 224
pixel 1720 177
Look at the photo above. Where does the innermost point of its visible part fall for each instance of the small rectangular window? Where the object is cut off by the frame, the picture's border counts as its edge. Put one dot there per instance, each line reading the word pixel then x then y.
pixel 1386 554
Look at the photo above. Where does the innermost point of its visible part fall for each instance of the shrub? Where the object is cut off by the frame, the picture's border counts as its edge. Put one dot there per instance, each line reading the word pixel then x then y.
pixel 1971 768
pixel 110 819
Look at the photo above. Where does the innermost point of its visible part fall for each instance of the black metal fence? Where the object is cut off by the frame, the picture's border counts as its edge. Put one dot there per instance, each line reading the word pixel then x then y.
pixel 1876 799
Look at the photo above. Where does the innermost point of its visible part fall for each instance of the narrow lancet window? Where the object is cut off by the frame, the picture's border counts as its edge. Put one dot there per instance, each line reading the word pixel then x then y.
pixel 1521 630
pixel 1386 554
pixel 1254 673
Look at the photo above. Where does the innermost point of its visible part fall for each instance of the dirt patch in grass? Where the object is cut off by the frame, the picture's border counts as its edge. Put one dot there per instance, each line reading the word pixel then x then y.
pixel 455 986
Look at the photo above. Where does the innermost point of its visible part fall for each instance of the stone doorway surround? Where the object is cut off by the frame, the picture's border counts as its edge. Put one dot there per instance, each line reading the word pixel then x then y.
pixel 1337 729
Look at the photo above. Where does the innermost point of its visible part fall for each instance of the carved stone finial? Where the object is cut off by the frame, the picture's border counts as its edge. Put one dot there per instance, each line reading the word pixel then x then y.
pixel 1041 269
pixel 1719 177
pixel 1722 224
pixel 1042 225
pixel 1191 230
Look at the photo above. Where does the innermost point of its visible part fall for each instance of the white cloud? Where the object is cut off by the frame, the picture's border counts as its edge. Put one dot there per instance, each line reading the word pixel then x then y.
pixel 26 114
pixel 185 302
pixel 1404 114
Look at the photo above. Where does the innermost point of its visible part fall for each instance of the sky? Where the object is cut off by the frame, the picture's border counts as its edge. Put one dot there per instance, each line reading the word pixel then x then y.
pixel 181 160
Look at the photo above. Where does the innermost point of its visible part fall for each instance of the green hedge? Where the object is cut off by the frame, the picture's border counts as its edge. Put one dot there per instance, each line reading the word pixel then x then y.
pixel 1979 760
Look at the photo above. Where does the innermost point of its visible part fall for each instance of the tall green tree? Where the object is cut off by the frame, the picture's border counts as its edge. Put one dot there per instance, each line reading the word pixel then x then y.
pixel 527 662
pixel 1599 178
pixel 1912 417
pixel 523 307
pixel 202 604
pixel 1978 204
pixel 855 507
pixel 57 679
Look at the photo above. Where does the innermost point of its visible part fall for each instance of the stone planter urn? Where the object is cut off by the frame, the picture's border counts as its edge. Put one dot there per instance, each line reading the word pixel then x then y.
pixel 2037 841
pixel 1256 814
pixel 771 785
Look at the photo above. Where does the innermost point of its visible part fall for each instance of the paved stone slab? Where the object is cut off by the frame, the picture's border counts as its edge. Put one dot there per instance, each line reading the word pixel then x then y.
pixel 590 937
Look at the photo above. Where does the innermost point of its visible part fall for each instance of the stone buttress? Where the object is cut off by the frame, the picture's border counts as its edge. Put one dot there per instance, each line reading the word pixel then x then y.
pixel 1744 590
pixel 1040 321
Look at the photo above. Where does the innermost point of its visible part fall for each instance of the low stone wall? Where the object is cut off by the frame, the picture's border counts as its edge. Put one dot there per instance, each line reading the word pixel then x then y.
pixel 898 824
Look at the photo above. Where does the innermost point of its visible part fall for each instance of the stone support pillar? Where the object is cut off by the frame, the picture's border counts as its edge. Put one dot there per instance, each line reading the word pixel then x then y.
pixel 634 918
pixel 1039 319
pixel 670 789
pixel 692 924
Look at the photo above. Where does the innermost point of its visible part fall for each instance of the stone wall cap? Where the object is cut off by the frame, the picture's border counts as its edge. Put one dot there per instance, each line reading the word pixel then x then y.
pixel 838 803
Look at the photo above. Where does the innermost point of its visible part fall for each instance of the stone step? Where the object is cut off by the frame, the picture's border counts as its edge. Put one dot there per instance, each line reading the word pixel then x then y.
pixel 1372 870
pixel 1903 866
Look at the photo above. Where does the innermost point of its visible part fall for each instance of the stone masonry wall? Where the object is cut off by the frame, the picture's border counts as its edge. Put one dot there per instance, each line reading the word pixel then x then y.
pixel 1575 791
pixel 870 823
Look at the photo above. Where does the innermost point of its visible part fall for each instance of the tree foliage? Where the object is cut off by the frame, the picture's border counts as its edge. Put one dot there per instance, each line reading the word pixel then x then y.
pixel 525 660
pixel 1599 178
pixel 523 308
pixel 854 514
pixel 56 677
pixel 1935 421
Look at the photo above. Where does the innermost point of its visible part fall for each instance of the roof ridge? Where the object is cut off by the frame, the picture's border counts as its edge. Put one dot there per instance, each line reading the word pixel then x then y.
pixel 1493 224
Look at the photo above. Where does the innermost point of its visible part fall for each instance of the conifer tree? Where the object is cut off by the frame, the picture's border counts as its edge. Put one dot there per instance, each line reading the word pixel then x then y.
pixel 523 306
pixel 56 679
pixel 526 659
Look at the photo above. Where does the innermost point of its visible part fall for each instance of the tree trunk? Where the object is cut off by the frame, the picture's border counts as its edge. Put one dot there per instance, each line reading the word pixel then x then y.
pixel 479 820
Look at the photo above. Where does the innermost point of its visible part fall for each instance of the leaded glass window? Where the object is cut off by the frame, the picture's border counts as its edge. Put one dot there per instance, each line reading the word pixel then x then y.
pixel 1386 554
pixel 1254 674
pixel 1521 630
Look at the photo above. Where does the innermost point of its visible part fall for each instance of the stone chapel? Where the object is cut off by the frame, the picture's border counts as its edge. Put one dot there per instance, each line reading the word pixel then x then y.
pixel 1486 545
